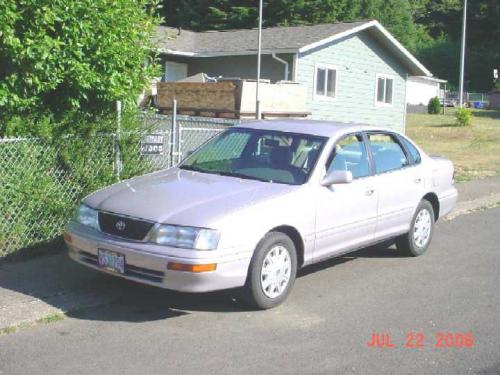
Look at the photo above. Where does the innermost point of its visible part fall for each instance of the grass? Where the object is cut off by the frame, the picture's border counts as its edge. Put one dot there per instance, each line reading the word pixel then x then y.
pixel 474 150
pixel 52 318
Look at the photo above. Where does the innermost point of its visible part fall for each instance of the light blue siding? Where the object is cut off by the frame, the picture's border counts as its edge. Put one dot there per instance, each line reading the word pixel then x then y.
pixel 358 59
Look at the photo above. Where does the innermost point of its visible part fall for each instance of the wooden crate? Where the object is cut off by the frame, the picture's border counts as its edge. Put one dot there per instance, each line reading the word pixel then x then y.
pixel 221 96
pixel 232 99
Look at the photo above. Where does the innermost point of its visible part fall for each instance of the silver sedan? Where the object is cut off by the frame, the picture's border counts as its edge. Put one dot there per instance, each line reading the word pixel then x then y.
pixel 261 200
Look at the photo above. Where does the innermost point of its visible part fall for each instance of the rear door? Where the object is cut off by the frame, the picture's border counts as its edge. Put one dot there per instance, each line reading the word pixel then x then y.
pixel 398 180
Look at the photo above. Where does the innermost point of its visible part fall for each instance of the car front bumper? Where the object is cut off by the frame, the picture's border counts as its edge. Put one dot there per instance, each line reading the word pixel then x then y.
pixel 147 263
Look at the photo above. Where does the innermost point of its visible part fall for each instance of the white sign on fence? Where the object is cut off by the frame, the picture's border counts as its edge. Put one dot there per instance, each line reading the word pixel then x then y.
pixel 495 73
pixel 153 144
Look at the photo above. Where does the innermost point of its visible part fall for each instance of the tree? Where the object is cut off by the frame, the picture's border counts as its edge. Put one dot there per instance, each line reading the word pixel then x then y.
pixel 443 19
pixel 231 14
pixel 431 29
pixel 61 56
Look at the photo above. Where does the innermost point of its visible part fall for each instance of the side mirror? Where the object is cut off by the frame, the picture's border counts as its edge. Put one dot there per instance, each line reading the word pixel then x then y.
pixel 337 177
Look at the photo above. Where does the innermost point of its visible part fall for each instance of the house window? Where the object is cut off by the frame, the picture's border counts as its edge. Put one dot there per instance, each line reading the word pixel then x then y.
pixel 326 82
pixel 384 90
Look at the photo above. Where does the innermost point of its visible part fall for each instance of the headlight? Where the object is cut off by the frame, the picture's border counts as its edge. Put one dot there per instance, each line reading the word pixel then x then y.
pixel 186 237
pixel 87 216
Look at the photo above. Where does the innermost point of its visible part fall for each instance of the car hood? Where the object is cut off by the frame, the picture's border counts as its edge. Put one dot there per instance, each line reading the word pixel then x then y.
pixel 182 197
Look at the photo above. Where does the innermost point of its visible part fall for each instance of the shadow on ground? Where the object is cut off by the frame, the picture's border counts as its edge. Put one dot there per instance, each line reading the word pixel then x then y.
pixel 91 295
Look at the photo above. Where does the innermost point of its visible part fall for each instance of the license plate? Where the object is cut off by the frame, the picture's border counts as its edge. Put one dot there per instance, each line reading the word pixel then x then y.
pixel 111 261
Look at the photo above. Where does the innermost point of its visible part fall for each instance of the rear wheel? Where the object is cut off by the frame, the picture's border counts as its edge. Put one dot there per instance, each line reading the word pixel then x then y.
pixel 417 240
pixel 272 271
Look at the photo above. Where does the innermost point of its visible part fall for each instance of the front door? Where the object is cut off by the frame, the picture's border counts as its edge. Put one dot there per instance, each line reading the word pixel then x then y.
pixel 346 213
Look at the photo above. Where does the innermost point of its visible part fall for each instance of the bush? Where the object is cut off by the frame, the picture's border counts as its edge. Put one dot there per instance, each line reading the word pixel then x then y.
pixel 463 117
pixel 67 56
pixel 43 178
pixel 434 106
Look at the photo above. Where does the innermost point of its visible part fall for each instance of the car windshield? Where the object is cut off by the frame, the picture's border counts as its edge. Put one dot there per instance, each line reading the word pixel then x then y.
pixel 258 154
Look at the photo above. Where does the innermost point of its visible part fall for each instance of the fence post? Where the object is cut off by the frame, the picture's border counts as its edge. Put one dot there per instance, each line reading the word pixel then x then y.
pixel 173 135
pixel 444 100
pixel 179 143
pixel 118 162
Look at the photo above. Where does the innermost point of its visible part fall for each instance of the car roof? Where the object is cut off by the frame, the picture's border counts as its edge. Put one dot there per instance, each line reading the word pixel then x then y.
pixel 313 127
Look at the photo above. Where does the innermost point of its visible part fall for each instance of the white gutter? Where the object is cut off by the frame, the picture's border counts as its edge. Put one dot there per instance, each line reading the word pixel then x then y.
pixel 221 54
pixel 283 62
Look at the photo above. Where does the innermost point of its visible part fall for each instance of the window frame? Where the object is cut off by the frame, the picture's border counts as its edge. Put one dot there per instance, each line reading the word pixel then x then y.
pixel 371 166
pixel 385 77
pixel 315 81
pixel 397 138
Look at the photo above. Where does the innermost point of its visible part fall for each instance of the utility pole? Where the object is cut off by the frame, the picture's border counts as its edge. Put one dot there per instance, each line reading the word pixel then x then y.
pixel 258 114
pixel 462 58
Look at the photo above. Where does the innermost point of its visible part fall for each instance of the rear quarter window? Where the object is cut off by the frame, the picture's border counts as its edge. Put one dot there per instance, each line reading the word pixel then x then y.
pixel 415 155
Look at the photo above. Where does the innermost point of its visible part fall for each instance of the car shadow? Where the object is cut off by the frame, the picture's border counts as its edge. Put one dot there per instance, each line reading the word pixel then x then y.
pixel 144 303
pixel 86 294
pixel 55 281
pixel 383 250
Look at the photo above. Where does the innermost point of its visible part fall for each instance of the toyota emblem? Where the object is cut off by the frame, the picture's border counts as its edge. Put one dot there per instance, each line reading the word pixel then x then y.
pixel 120 225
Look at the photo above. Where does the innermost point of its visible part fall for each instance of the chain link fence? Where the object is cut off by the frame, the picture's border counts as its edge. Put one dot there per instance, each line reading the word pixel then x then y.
pixel 41 182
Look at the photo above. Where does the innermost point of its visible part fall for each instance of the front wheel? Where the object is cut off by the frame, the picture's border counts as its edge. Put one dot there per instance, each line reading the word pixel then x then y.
pixel 272 271
pixel 417 240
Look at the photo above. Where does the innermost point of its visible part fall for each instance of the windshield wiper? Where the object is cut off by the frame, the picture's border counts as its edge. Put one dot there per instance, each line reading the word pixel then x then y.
pixel 194 169
pixel 223 173
pixel 241 175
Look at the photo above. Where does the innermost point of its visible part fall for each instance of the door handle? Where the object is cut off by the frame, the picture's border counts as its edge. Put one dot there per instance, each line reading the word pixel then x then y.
pixel 369 191
pixel 417 180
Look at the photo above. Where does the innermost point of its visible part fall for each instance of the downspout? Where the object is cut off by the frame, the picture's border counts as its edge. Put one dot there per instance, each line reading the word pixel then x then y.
pixel 283 62
pixel 295 67
pixel 405 104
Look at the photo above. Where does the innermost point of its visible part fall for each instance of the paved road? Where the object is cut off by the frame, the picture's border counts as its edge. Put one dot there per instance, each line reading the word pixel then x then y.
pixel 322 329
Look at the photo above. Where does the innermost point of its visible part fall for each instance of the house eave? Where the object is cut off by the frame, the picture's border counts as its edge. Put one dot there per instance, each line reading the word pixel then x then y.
pixel 427 78
pixel 222 54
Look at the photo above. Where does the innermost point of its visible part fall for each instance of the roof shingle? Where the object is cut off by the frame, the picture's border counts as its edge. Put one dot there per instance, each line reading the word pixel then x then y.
pixel 244 41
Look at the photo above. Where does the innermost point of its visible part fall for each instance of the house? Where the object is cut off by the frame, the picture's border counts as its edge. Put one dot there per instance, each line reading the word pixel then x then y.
pixel 420 89
pixel 353 72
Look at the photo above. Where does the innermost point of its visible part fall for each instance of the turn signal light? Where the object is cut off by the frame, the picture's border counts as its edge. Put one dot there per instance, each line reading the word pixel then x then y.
pixel 197 268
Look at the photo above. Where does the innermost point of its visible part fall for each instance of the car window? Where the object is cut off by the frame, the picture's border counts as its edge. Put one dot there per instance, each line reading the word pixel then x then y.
pixel 412 150
pixel 265 155
pixel 350 155
pixel 388 155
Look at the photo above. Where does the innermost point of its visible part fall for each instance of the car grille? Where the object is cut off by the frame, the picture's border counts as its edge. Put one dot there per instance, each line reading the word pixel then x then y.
pixel 122 226
pixel 130 270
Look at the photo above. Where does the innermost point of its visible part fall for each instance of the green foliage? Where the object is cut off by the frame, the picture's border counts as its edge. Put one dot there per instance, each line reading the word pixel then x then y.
pixel 434 106
pixel 64 56
pixel 463 117
pixel 43 179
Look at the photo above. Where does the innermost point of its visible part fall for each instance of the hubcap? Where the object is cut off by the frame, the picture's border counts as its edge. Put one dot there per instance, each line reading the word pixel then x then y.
pixel 275 273
pixel 422 228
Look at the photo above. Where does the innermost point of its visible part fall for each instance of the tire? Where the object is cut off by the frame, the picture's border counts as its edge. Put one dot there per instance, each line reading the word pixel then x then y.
pixel 274 259
pixel 413 243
